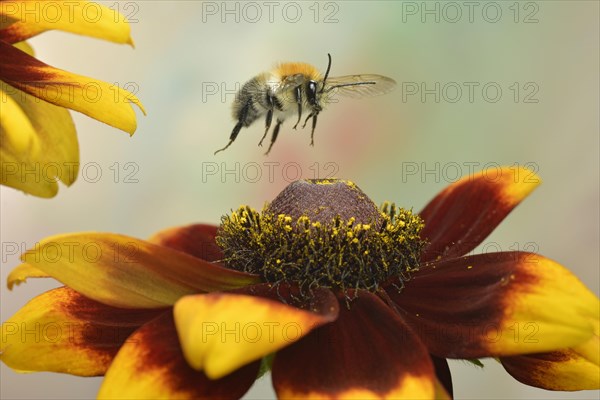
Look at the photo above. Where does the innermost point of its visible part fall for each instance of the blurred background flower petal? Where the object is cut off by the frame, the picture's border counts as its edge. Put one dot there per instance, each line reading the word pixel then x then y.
pixel 80 17
pixel 39 144
pixel 36 155
pixel 95 98
pixel 23 272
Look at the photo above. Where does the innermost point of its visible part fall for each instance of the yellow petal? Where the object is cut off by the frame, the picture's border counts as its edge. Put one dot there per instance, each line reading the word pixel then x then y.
pixel 81 17
pixel 62 331
pixel 221 332
pixel 126 272
pixel 100 100
pixel 21 273
pixel 38 146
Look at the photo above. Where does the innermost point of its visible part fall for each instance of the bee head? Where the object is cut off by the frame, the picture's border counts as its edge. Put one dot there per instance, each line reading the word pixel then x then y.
pixel 311 95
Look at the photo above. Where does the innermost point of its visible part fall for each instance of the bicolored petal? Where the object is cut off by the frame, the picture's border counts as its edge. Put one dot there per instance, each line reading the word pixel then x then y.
pixel 31 17
pixel 151 366
pixel 557 370
pixel 100 100
pixel 497 304
pixel 126 272
pixel 197 240
pixel 220 332
pixel 466 212
pixel 368 352
pixel 63 331
pixel 21 273
pixel 38 144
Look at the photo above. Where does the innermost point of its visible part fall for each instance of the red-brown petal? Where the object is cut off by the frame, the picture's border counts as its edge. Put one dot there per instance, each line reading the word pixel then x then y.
pixel 63 331
pixel 151 365
pixel 497 304
pixel 197 240
pixel 461 216
pixel 368 352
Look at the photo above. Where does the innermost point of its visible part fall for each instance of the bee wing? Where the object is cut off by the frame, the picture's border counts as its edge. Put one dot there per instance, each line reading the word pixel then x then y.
pixel 359 86
pixel 290 82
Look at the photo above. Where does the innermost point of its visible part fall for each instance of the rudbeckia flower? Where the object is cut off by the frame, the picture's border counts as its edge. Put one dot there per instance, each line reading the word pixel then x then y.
pixel 38 143
pixel 339 298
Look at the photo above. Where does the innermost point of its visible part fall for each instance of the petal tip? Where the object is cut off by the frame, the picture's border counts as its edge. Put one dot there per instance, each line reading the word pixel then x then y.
pixel 524 181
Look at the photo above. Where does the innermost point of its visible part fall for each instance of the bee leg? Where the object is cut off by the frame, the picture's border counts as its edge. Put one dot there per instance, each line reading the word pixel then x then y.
pixel 267 125
pixel 299 101
pixel 274 135
pixel 312 133
pixel 306 120
pixel 237 127
pixel 233 136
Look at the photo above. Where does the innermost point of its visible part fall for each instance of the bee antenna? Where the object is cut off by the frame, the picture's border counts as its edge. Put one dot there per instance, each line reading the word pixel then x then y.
pixel 326 73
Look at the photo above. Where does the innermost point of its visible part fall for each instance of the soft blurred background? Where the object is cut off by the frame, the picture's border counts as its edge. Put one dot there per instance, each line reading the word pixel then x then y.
pixel 190 57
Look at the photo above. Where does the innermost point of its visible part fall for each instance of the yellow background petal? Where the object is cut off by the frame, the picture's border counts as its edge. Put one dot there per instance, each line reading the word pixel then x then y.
pixel 80 17
pixel 39 144
pixel 21 273
pixel 98 99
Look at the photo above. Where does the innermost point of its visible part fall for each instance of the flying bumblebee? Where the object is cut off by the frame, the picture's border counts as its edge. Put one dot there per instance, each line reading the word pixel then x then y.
pixel 292 87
